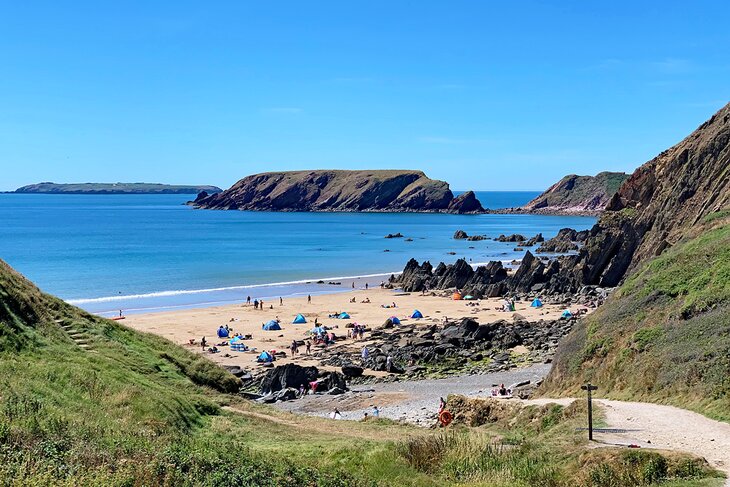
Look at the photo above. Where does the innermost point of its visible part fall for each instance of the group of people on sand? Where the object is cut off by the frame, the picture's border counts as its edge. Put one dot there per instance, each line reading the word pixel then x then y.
pixel 364 301
pixel 357 332
pixel 294 347
pixel 259 303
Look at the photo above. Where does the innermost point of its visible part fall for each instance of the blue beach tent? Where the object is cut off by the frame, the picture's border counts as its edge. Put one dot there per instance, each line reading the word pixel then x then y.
pixel 567 314
pixel 394 320
pixel 222 332
pixel 299 319
pixel 271 326
pixel 344 316
pixel 265 357
pixel 536 303
pixel 416 314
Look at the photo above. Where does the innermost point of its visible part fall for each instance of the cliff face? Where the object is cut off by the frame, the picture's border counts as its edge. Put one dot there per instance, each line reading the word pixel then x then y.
pixel 665 200
pixel 660 203
pixel 575 195
pixel 115 188
pixel 334 190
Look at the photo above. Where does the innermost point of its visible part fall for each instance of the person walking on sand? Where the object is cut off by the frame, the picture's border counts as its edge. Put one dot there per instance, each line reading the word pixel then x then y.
pixel 281 301
pixel 309 347
pixel 203 343
pixel 309 298
pixel 294 348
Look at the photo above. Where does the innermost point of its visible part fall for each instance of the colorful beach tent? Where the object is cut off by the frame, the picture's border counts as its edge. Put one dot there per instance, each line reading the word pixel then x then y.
pixel 265 357
pixel 271 326
pixel 567 314
pixel 343 316
pixel 394 320
pixel 299 319
pixel 457 296
pixel 222 332
pixel 416 314
pixel 536 303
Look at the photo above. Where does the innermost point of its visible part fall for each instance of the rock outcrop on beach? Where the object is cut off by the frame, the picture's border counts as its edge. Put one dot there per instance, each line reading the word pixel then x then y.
pixel 575 195
pixel 116 188
pixel 567 240
pixel 337 190
pixel 456 346
pixel 663 201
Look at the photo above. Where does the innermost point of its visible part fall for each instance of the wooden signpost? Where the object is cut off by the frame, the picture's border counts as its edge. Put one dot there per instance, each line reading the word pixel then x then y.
pixel 590 387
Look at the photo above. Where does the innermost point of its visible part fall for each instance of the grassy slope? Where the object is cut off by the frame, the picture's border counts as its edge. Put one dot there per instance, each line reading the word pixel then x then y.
pixel 138 410
pixel 665 335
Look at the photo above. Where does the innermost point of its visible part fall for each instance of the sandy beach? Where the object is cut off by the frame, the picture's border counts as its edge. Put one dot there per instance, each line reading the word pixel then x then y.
pixel 192 324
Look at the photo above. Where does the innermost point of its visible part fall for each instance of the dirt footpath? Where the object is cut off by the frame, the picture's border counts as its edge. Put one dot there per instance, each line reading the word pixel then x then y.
pixel 664 427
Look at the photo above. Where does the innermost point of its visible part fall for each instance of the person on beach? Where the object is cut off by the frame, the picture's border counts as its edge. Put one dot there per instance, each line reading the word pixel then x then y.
pixel 365 354
pixel 255 304
pixel 442 404
pixel 248 300
pixel 203 343
pixel 281 301
pixel 353 284
pixel 376 411
pixel 366 286
pixel 389 363
pixel 294 348
pixel 261 304
pixel 120 313
pixel 309 298
pixel 309 347
pixel 336 414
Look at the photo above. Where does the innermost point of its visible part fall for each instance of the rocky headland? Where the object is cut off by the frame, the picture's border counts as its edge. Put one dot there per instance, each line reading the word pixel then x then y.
pixel 337 190
pixel 574 195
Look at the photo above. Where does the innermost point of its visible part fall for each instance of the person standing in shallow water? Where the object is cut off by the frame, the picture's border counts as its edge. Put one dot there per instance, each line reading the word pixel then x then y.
pixel 309 298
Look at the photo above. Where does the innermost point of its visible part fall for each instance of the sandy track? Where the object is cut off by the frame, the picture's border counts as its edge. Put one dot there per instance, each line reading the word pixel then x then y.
pixel 664 427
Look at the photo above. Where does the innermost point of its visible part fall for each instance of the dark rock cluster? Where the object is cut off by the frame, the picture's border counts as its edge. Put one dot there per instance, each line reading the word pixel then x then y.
pixel 456 346
pixel 567 240
pixel 283 383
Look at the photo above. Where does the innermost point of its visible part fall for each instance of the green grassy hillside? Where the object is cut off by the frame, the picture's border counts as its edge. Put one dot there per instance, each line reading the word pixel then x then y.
pixel 665 334
pixel 87 401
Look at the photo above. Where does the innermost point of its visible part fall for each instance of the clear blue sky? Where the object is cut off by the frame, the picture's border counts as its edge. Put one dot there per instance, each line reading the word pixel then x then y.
pixel 486 95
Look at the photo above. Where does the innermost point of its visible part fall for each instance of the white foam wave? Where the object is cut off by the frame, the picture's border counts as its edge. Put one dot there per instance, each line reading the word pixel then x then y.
pixel 182 292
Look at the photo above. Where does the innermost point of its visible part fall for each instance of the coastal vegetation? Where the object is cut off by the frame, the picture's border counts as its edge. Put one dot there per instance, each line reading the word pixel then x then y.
pixel 127 408
pixel 663 336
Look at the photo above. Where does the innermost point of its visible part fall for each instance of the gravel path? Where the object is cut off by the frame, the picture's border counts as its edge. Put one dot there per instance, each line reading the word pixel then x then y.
pixel 664 427
pixel 413 401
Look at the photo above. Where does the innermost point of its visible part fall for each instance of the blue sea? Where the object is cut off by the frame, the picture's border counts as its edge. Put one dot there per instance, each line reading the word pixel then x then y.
pixel 144 253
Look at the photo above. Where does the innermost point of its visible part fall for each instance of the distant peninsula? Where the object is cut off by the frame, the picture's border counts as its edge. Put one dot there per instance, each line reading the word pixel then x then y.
pixel 339 190
pixel 574 195
pixel 115 188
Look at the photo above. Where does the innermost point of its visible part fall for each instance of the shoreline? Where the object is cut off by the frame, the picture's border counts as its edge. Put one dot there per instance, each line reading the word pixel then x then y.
pixel 162 301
